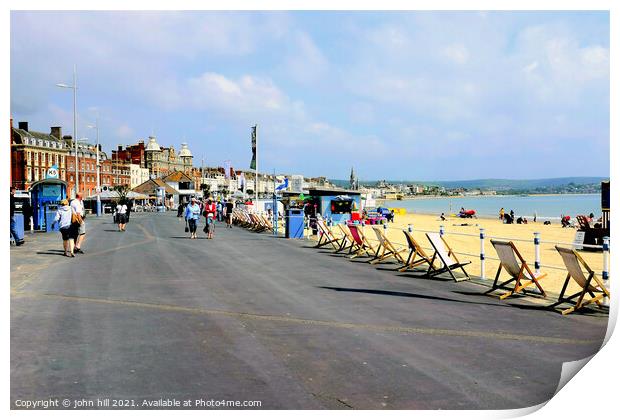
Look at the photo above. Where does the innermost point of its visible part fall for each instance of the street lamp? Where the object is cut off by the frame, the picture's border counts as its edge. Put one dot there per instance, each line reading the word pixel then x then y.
pixel 74 87
pixel 98 188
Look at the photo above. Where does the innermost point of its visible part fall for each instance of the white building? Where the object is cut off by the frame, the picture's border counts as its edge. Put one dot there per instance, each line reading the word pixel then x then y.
pixel 138 175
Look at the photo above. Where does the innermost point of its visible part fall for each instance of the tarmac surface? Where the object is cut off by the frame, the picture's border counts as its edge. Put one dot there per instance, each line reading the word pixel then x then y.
pixel 149 314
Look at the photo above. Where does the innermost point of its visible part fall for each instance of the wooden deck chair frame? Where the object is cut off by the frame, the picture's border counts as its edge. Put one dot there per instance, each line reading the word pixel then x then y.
pixel 448 259
pixel 363 245
pixel 347 241
pixel 516 266
pixel 415 250
pixel 386 249
pixel 326 236
pixel 584 282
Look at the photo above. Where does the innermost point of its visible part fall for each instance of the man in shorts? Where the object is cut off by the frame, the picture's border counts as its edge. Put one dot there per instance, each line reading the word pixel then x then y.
pixel 229 212
pixel 77 205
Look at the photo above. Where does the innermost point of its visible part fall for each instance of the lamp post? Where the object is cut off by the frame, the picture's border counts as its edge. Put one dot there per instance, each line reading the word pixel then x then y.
pixel 74 87
pixel 98 188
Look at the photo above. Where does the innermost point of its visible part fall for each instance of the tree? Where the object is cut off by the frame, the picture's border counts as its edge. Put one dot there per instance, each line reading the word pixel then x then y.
pixel 122 191
pixel 206 190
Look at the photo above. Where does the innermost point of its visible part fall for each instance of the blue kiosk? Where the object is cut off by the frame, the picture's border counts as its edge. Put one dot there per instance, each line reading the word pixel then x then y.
pixel 46 196
pixel 335 204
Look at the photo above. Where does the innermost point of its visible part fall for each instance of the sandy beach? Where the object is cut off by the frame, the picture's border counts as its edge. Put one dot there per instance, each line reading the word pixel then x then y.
pixel 453 226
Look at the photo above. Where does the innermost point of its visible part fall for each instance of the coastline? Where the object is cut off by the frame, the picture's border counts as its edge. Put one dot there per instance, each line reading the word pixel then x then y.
pixel 424 197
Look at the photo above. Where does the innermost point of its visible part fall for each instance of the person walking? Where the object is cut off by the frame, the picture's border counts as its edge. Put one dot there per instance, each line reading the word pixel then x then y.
pixel 501 214
pixel 18 241
pixel 219 210
pixel 210 214
pixel 512 214
pixel 192 215
pixel 122 213
pixel 68 229
pixel 229 213
pixel 77 205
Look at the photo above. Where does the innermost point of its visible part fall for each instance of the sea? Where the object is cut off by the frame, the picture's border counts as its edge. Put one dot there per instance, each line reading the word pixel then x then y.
pixel 546 207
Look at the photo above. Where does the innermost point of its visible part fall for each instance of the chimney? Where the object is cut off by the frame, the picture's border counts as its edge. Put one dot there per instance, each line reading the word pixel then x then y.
pixel 23 125
pixel 56 132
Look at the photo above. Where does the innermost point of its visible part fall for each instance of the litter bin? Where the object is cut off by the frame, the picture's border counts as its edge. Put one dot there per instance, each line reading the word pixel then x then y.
pixel 49 221
pixel 294 223
pixel 19 225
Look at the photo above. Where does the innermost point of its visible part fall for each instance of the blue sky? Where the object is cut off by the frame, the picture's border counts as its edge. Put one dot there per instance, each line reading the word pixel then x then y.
pixel 397 95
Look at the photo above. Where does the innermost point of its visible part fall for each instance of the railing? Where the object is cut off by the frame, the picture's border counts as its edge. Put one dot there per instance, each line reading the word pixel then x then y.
pixel 481 235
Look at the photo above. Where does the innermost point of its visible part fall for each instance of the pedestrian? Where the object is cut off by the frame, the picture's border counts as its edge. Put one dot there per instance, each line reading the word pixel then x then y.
pixel 501 214
pixel 192 215
pixel 229 213
pixel 68 229
pixel 129 208
pixel 77 205
pixel 180 210
pixel 219 210
pixel 535 216
pixel 18 241
pixel 512 214
pixel 122 212
pixel 210 214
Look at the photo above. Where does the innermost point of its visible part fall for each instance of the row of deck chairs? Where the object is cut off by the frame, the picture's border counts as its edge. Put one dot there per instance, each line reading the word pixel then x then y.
pixel 352 240
pixel 252 221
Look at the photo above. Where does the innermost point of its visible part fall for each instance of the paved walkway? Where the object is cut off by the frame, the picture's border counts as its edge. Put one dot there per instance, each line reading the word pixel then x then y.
pixel 150 314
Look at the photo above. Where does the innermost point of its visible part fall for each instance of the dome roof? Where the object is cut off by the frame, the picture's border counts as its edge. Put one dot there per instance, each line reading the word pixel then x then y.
pixel 184 152
pixel 152 145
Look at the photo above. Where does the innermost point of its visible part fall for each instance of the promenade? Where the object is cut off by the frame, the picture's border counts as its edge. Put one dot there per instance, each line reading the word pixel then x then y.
pixel 150 314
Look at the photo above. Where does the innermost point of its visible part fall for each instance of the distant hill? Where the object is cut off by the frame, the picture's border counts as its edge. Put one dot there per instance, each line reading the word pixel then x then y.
pixel 493 184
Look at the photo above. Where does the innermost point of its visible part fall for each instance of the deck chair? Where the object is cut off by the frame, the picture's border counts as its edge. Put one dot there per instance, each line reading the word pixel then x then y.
pixel 448 258
pixel 347 241
pixel 591 284
pixel 516 266
pixel 362 243
pixel 326 236
pixel 415 250
pixel 386 249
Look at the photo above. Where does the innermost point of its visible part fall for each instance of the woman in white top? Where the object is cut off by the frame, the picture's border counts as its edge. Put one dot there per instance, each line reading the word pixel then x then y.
pixel 121 211
pixel 68 229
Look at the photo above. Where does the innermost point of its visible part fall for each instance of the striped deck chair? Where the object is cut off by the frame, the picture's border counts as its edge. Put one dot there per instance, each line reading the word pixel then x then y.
pixel 516 266
pixel 448 258
pixel 326 236
pixel 386 249
pixel 591 284
pixel 347 240
pixel 415 250
pixel 362 244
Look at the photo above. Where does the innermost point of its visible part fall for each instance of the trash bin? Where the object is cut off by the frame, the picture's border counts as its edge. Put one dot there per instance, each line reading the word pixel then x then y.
pixel 294 223
pixel 19 224
pixel 49 220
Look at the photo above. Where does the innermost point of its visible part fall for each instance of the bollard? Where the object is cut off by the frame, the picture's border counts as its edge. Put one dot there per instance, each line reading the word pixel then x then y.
pixel 410 228
pixel 441 231
pixel 606 266
pixel 331 221
pixel 537 253
pixel 482 268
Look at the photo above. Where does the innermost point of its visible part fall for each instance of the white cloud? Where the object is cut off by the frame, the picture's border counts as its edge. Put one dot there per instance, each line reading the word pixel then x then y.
pixel 307 63
pixel 457 53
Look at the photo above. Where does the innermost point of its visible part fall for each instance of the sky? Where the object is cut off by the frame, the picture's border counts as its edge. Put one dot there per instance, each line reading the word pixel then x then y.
pixel 396 95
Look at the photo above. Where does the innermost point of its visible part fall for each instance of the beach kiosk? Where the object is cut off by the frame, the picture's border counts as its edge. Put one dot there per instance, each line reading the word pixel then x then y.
pixel 335 204
pixel 46 196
